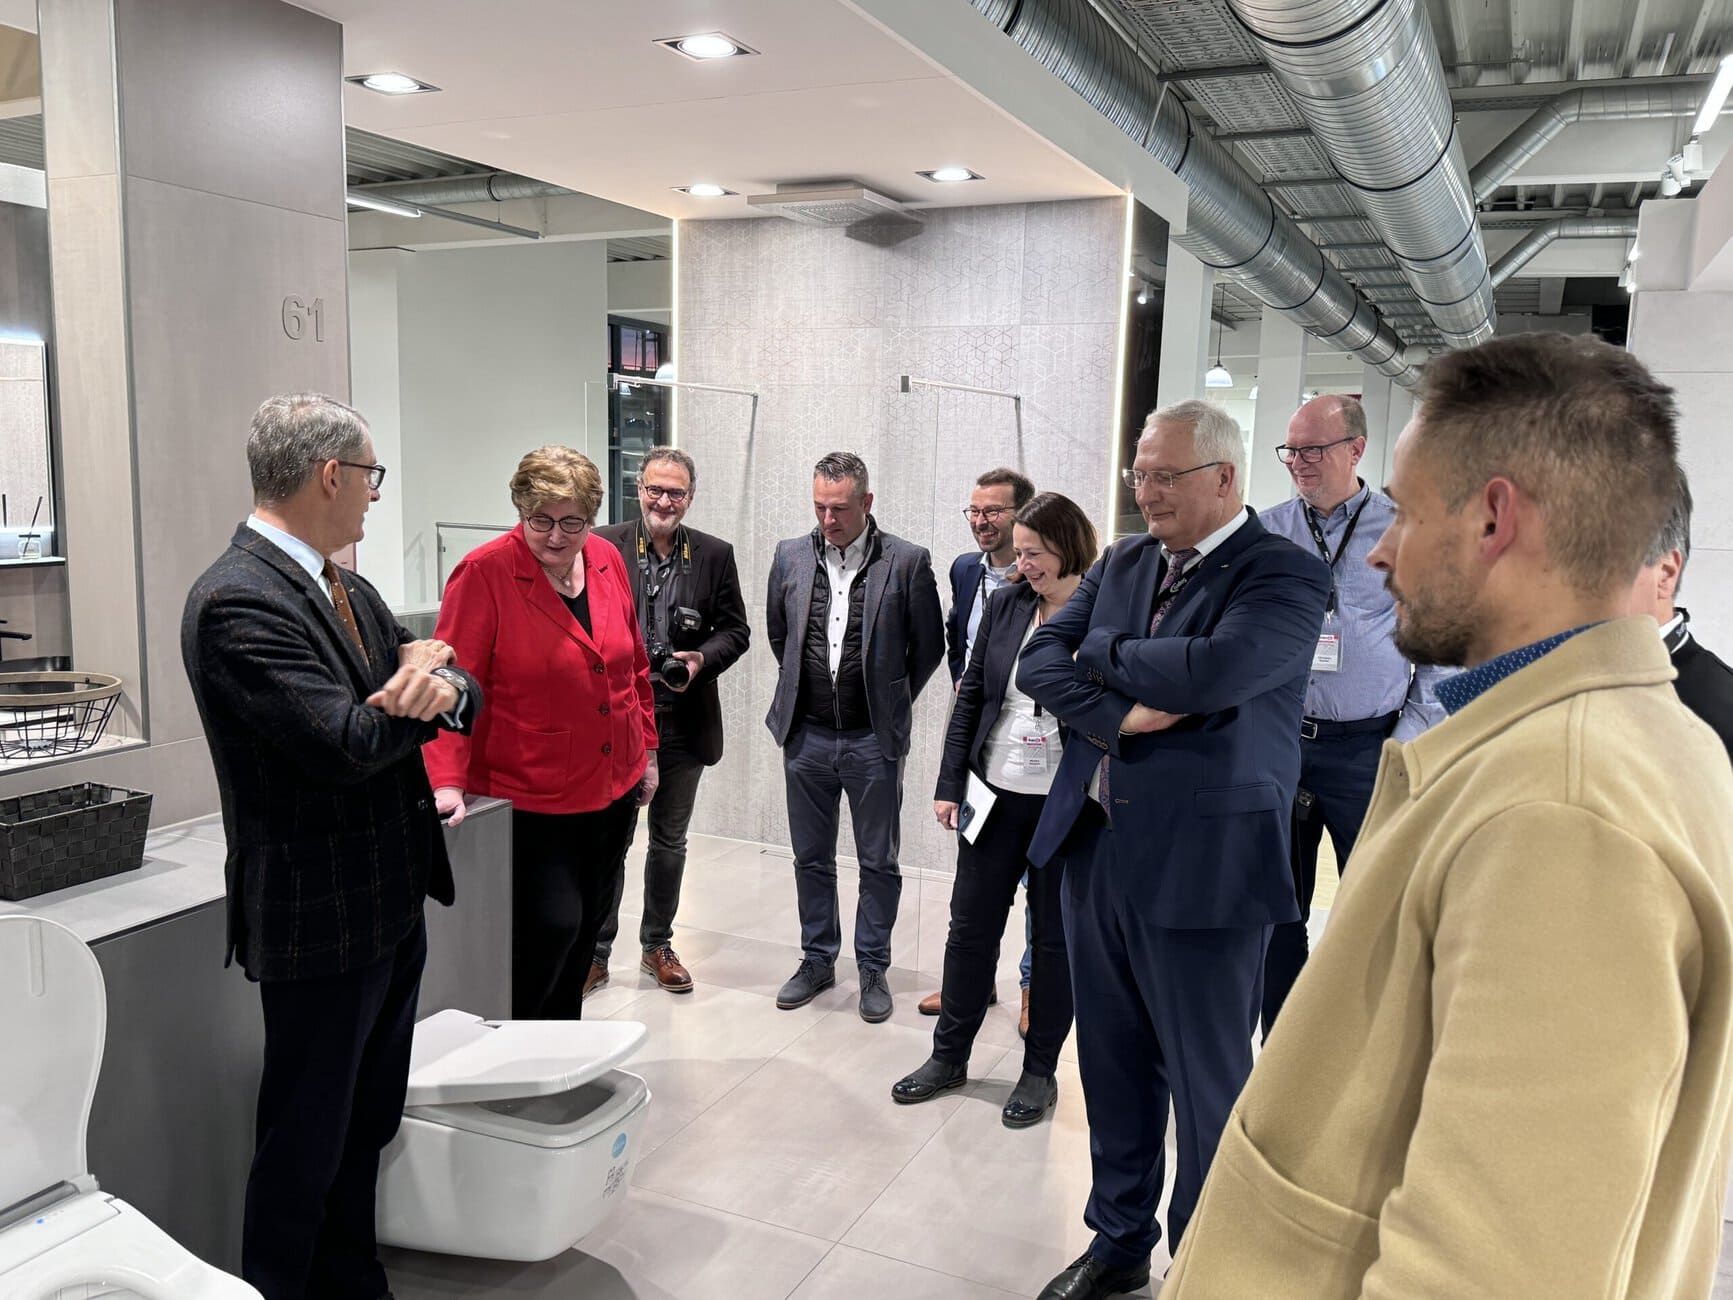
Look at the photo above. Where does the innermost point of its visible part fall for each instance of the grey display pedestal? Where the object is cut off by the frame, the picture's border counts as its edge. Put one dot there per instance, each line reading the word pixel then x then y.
pixel 171 1129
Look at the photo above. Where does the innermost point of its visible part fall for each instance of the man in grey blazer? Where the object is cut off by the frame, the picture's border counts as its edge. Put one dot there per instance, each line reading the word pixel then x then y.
pixel 856 627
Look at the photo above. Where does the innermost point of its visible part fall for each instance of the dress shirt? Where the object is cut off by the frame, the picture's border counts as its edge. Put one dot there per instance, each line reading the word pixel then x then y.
pixel 309 559
pixel 991 580
pixel 1463 689
pixel 1374 678
pixel 1672 625
pixel 842 567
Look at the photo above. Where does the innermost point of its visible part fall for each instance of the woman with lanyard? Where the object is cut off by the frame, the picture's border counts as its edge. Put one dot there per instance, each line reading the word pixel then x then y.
pixel 1001 752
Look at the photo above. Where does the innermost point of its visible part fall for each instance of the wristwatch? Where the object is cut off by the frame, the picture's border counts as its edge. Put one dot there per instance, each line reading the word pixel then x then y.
pixel 457 684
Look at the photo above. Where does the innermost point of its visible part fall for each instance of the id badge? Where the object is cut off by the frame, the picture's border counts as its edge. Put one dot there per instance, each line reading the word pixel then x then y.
pixel 1327 658
pixel 1035 755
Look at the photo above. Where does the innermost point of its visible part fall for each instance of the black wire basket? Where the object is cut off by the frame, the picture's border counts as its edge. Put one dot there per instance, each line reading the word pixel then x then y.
pixel 55 838
pixel 49 715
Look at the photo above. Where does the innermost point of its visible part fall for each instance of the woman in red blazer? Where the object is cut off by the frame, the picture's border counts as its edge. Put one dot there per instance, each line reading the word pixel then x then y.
pixel 543 618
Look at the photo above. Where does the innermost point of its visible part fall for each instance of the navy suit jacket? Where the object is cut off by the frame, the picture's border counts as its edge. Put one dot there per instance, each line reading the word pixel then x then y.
pixel 965 582
pixel 1210 797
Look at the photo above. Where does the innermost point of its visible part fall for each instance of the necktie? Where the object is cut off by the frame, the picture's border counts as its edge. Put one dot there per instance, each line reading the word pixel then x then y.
pixel 1176 562
pixel 345 615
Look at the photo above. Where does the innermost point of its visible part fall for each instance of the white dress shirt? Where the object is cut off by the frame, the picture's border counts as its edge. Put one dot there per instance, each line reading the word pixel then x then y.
pixel 842 568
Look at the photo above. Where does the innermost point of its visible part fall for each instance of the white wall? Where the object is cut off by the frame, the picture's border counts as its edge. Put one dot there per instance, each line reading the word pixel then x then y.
pixel 643 290
pixel 493 348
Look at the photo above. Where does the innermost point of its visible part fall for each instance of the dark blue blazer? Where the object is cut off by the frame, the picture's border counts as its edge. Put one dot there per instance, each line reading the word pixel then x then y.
pixel 1210 797
pixel 965 582
pixel 981 693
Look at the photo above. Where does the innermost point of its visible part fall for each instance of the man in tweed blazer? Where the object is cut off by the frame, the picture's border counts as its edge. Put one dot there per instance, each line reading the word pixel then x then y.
pixel 316 703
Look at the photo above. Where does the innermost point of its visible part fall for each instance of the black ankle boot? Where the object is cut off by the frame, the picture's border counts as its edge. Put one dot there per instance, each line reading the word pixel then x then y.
pixel 929 1081
pixel 1030 1100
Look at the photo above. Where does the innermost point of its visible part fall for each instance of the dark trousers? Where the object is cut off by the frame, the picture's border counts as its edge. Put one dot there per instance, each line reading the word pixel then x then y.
pixel 670 814
pixel 564 872
pixel 330 1100
pixel 819 766
pixel 1162 1015
pixel 988 873
pixel 1339 773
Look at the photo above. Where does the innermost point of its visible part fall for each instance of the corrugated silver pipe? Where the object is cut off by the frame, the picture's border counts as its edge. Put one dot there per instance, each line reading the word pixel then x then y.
pixel 493 187
pixel 1231 223
pixel 1366 76
pixel 1563 228
pixel 1589 104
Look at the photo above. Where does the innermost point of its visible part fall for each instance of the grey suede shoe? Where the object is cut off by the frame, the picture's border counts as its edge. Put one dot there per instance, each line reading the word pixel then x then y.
pixel 813 978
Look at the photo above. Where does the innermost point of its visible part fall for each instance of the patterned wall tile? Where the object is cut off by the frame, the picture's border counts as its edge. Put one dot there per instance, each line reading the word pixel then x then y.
pixel 1023 299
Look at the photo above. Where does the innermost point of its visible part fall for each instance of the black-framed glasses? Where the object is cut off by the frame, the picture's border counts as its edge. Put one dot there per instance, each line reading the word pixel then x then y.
pixel 674 496
pixel 571 525
pixel 375 473
pixel 1308 455
pixel 1162 478
pixel 992 514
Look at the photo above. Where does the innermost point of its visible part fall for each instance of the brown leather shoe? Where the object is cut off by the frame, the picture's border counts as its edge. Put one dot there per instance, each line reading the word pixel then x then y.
pixel 665 966
pixel 929 1005
pixel 597 977
pixel 1023 1019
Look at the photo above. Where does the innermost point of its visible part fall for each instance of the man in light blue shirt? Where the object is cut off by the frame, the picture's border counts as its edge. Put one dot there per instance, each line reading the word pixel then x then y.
pixel 1362 690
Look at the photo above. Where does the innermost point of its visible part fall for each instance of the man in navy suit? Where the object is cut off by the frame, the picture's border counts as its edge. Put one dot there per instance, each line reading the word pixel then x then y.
pixel 1182 662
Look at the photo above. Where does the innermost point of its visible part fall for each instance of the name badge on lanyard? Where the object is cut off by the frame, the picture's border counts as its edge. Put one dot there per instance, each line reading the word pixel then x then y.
pixel 1327 658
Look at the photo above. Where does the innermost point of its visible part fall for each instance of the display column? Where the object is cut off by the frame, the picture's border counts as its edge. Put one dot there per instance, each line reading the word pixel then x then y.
pixel 1281 381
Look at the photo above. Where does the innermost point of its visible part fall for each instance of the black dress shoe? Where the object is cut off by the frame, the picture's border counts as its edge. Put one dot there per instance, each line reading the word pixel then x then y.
pixel 1030 1100
pixel 929 1081
pixel 1090 1279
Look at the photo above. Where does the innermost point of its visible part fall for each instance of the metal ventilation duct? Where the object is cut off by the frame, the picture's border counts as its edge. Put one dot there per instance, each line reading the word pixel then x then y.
pixel 1590 104
pixel 489 187
pixel 1563 228
pixel 1232 225
pixel 1366 76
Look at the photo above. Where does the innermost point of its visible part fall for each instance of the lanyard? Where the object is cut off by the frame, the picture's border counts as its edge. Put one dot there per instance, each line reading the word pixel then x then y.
pixel 1324 547
pixel 644 559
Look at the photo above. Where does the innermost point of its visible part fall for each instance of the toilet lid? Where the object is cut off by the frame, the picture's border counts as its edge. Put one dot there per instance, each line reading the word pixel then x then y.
pixel 460 1057
pixel 53 1016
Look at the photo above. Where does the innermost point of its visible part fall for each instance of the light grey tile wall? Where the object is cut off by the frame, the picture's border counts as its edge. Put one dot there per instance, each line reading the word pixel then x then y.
pixel 1024 298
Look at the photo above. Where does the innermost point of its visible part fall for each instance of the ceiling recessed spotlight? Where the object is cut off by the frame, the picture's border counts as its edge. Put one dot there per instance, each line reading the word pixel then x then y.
pixel 951 174
pixel 704 190
pixel 705 46
pixel 392 83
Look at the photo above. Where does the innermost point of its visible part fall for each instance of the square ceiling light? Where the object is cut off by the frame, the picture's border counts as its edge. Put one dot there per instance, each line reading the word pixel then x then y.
pixel 707 47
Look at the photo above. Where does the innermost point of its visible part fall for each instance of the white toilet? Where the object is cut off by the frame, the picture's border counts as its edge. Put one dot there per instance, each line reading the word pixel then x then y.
pixel 519 1136
pixel 60 1235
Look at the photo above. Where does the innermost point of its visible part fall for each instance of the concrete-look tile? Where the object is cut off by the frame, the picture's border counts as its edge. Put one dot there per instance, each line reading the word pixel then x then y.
pixel 809 1141
pixel 654 1248
pixel 703 1044
pixel 1024 1189
pixel 849 1274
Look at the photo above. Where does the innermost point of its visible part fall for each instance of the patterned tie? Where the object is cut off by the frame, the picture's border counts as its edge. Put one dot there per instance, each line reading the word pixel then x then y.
pixel 1176 562
pixel 345 615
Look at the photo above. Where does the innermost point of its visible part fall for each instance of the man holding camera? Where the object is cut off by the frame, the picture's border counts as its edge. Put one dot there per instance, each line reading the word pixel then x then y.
pixel 687 591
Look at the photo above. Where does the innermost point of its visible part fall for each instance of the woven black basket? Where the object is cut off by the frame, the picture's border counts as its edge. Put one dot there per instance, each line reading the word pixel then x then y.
pixel 55 838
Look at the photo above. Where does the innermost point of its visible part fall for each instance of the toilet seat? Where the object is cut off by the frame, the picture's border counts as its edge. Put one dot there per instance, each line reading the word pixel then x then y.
pixel 57 1228
pixel 458 1057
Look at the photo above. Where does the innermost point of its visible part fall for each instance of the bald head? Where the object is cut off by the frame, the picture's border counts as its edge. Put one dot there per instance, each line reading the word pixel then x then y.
pixel 1326 438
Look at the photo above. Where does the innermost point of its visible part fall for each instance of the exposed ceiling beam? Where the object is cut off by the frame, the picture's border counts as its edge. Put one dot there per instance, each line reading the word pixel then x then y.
pixel 1635 196
pixel 1634 38
pixel 1595 195
pixel 1275 133
pixel 1704 9
pixel 1552 295
pixel 1461 35
pixel 1181 75
pixel 1502 98
pixel 1574 42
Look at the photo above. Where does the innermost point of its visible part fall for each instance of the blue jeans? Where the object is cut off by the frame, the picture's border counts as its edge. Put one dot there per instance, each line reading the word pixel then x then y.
pixel 819 766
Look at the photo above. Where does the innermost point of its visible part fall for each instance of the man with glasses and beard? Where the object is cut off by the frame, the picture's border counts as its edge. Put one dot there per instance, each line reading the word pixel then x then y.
pixel 1505 1071
pixel 687 591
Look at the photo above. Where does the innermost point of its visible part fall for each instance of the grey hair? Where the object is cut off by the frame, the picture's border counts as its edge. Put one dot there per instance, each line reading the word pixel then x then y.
pixel 292 433
pixel 674 456
pixel 839 465
pixel 1675 534
pixel 1215 433
pixel 1353 416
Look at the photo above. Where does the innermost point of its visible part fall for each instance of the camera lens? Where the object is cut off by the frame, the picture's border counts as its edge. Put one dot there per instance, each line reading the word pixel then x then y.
pixel 676 672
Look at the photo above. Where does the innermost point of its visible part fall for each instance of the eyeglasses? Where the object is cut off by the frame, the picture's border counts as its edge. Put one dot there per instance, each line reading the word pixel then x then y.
pixel 375 473
pixel 571 525
pixel 674 495
pixel 992 514
pixel 1164 479
pixel 1309 455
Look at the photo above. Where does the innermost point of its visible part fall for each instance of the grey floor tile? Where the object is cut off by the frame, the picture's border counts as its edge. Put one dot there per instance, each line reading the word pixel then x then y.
pixel 848 1274
pixel 809 1141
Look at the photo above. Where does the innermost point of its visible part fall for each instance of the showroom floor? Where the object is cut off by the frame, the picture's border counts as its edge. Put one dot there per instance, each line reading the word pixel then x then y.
pixel 776 1165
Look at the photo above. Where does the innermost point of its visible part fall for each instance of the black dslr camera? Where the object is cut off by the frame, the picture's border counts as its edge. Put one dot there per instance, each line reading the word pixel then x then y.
pixel 683 621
